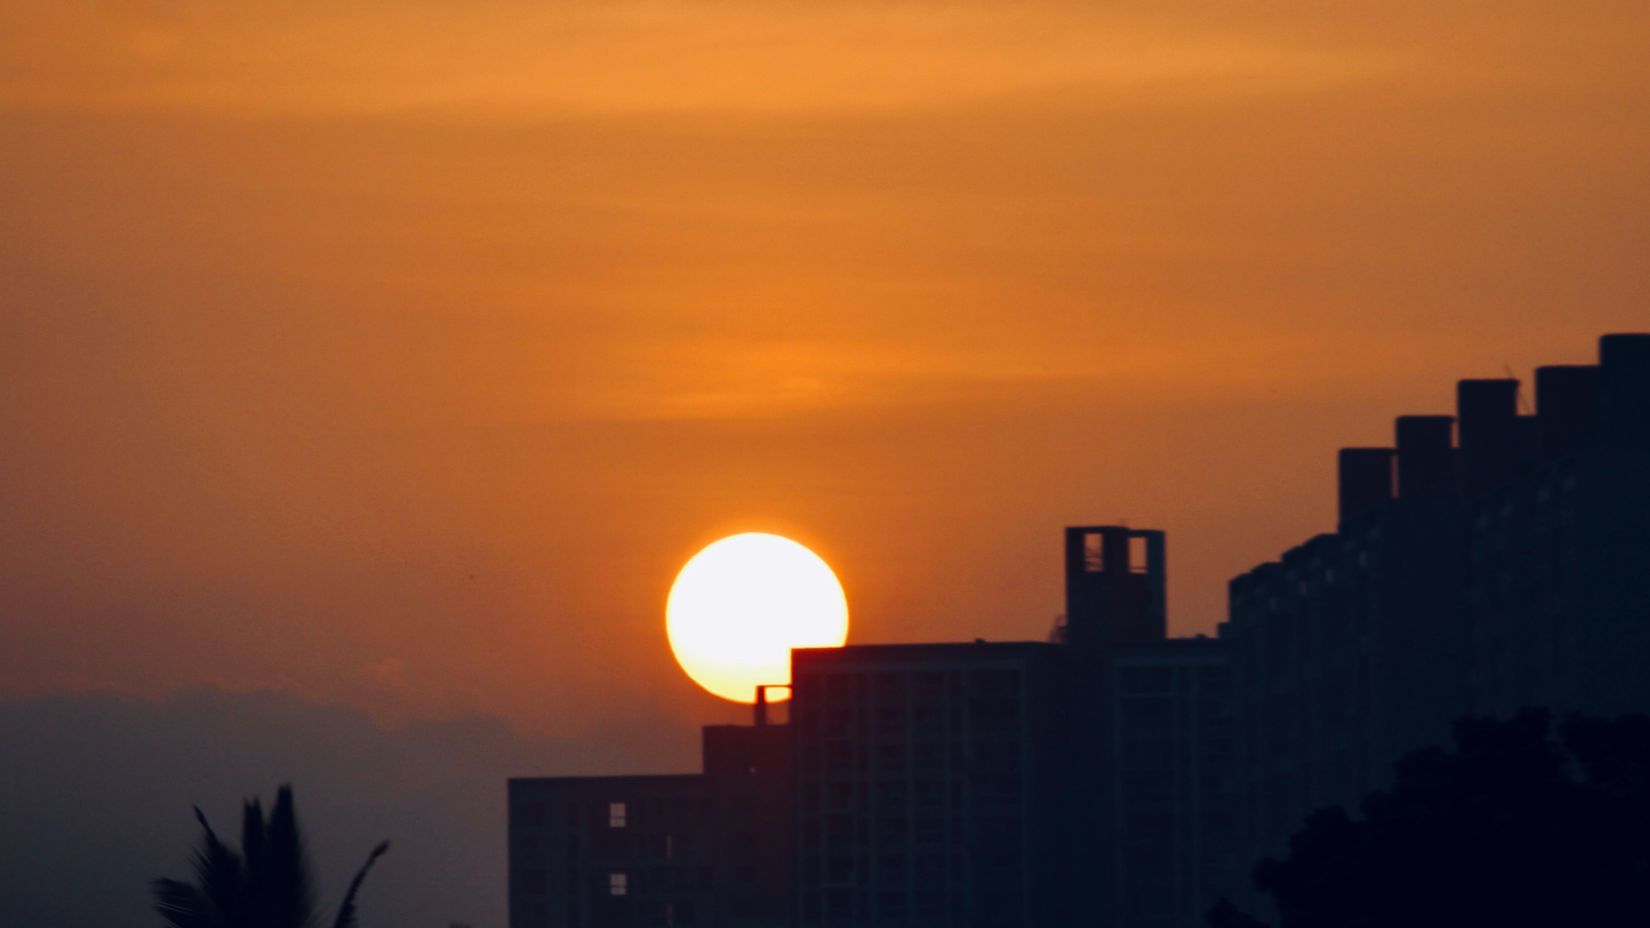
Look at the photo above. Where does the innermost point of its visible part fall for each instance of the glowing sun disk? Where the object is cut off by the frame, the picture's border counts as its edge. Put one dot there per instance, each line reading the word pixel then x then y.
pixel 741 604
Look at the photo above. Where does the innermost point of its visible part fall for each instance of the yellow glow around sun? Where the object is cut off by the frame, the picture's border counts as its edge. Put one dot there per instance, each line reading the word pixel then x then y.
pixel 740 605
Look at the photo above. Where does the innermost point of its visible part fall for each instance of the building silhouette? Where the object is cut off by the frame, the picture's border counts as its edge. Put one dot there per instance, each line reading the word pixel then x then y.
pixel 1114 776
pixel 1076 780
pixel 711 848
pixel 1488 561
pixel 1150 803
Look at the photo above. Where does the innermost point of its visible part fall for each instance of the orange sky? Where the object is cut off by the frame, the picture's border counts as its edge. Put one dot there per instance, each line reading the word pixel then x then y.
pixel 397 353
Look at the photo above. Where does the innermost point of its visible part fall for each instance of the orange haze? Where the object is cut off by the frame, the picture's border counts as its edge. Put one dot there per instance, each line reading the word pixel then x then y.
pixel 398 354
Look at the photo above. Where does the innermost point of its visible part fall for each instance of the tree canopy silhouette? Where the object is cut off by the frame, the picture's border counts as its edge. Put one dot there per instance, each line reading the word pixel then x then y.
pixel 266 884
pixel 1512 826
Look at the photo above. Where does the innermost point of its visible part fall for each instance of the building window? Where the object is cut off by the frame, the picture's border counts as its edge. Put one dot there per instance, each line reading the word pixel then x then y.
pixel 617 815
pixel 1094 553
pixel 618 884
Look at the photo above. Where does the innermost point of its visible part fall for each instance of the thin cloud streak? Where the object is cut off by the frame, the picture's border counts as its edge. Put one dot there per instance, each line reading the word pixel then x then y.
pixel 528 60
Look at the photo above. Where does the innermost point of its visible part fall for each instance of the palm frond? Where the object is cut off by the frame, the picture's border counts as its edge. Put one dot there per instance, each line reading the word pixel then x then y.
pixel 218 873
pixel 182 905
pixel 267 884
pixel 289 896
pixel 346 910
pixel 254 848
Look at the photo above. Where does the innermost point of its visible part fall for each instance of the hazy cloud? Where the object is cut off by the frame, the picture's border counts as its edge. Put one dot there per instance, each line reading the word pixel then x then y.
pixel 98 787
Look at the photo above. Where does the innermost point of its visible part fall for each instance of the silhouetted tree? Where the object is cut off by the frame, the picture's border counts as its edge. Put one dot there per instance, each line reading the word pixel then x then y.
pixel 266 884
pixel 1511 827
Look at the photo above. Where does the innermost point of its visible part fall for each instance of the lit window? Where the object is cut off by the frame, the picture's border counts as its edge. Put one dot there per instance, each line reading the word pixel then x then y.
pixel 616 815
pixel 618 884
pixel 1139 554
pixel 1094 553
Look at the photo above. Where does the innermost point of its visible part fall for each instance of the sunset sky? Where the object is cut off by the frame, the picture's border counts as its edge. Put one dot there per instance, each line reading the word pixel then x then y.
pixel 395 355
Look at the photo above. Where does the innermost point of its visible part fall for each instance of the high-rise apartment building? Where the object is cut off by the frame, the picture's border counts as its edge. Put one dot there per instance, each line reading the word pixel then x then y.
pixel 1080 781
pixel 1489 561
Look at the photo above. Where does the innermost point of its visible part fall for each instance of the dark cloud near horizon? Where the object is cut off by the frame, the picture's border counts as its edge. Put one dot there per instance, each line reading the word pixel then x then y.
pixel 96 789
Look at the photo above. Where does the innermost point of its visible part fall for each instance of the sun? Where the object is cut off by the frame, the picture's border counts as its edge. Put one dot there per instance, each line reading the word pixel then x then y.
pixel 742 603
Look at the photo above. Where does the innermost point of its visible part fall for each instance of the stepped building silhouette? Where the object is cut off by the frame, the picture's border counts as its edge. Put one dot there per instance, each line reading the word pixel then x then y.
pixel 1114 776
pixel 1486 562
